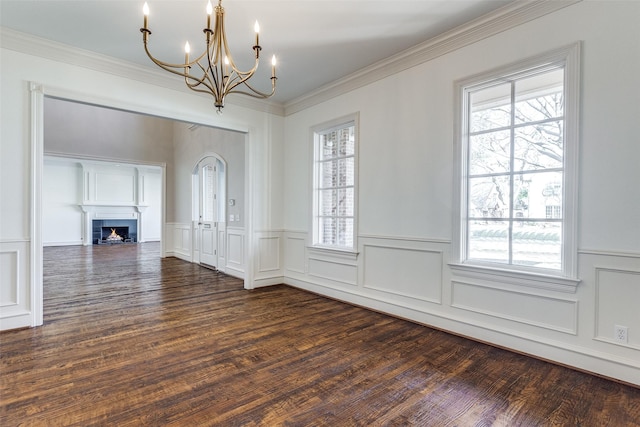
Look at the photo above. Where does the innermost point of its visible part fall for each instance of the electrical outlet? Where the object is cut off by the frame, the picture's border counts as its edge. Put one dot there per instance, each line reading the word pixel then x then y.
pixel 620 334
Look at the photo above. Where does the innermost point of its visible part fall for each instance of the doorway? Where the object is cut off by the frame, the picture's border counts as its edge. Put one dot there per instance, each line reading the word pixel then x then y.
pixel 209 210
pixel 37 96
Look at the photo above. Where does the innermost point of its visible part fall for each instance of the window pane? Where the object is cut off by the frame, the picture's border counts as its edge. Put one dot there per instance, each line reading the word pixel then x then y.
pixel 539 97
pixel 345 202
pixel 347 141
pixel 489 153
pixel 208 193
pixel 489 241
pixel 328 202
pixel 343 172
pixel 489 197
pixel 328 231
pixel 543 194
pixel 351 172
pixel 521 187
pixel 328 145
pixel 490 108
pixel 327 174
pixel 539 146
pixel 537 244
pixel 345 232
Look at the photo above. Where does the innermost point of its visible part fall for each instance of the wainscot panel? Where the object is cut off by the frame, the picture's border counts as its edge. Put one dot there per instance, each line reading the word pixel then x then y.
pixel 235 252
pixel 269 254
pixel 618 306
pixel 542 311
pixel 222 246
pixel 268 260
pixel 405 271
pixel 179 242
pixel 295 253
pixel 14 298
pixel 9 268
pixel 335 271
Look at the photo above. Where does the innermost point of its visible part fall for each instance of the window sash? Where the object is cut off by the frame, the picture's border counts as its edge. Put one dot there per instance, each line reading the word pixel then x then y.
pixel 568 59
pixel 500 239
pixel 334 186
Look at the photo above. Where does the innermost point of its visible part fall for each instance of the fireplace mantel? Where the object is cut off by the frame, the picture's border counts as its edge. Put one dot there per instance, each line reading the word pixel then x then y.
pixel 92 207
pixel 101 212
pixel 113 192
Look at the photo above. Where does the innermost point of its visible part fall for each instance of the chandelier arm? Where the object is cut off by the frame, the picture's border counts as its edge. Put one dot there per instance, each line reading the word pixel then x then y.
pixel 241 78
pixel 191 81
pixel 254 92
pixel 167 65
pixel 206 80
pixel 194 85
pixel 232 64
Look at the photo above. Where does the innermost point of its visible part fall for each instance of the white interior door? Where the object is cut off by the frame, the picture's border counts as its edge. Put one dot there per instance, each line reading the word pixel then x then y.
pixel 208 212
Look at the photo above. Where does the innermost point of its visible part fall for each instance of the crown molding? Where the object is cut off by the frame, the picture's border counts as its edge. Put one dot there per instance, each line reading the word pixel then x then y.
pixel 59 52
pixel 502 19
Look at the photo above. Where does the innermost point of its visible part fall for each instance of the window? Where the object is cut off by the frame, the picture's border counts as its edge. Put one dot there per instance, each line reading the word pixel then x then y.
pixel 517 147
pixel 334 185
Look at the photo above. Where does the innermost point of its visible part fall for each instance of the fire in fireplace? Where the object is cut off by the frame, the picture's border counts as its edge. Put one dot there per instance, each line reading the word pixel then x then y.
pixel 115 235
pixel 114 231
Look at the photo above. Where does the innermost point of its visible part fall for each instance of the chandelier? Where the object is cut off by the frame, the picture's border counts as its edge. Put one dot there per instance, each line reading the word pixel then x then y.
pixel 213 71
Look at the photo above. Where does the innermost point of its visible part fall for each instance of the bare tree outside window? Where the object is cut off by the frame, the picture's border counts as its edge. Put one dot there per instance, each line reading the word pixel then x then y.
pixel 515 170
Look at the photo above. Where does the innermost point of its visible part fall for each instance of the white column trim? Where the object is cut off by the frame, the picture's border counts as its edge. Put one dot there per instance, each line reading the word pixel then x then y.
pixel 36 128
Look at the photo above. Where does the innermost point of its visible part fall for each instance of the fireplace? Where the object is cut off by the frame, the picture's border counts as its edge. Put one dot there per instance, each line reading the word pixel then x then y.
pixel 106 230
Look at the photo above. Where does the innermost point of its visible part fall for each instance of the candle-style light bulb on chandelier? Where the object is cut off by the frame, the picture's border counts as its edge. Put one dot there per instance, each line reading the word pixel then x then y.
pixel 215 72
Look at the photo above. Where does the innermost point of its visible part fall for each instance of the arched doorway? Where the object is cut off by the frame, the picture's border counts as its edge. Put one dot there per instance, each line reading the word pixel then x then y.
pixel 209 211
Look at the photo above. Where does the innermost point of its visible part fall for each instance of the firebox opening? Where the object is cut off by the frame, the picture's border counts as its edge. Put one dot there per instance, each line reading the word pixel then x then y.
pixel 115 231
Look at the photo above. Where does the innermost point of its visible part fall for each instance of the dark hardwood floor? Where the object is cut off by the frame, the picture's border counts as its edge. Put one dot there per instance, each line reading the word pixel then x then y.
pixel 134 340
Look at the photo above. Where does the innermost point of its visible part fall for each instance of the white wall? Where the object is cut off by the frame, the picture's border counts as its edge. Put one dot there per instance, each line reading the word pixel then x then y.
pixel 406 187
pixel 62 218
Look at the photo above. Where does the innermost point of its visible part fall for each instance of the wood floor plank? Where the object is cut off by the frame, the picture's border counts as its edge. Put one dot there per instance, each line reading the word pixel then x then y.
pixel 131 339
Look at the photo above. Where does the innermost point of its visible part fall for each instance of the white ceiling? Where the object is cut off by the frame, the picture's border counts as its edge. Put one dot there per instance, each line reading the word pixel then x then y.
pixel 316 41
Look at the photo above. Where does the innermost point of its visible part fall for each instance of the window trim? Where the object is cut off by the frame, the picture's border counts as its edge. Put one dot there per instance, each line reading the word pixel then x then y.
pixel 350 119
pixel 569 57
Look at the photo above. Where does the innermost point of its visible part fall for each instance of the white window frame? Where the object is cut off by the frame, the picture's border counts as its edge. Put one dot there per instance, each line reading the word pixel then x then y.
pixel 316 131
pixel 566 278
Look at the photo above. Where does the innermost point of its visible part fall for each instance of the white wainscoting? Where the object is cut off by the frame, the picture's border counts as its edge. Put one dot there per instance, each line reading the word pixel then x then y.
pixel 404 270
pixel 612 309
pixel 14 274
pixel 231 244
pixel 178 240
pixel 616 288
pixel 268 266
pixel 295 254
pixel 333 271
pixel 541 311
pixel 235 252
pixel 222 246
pixel 413 278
